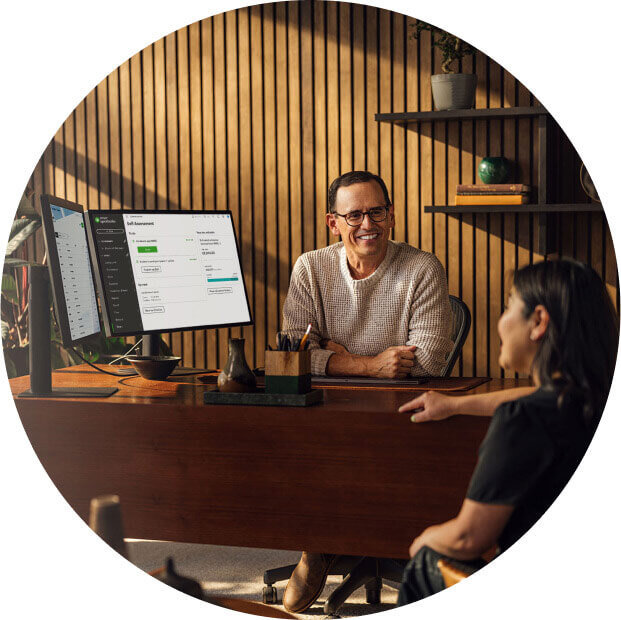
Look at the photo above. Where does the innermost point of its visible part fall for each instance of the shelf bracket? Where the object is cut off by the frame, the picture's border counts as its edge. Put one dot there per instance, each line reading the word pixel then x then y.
pixel 547 224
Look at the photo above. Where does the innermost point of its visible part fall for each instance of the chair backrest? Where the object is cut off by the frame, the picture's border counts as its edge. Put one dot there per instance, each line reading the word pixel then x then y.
pixel 459 332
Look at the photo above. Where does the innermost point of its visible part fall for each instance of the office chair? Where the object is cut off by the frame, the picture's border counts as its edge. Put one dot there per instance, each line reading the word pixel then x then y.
pixel 451 574
pixel 459 332
pixel 368 571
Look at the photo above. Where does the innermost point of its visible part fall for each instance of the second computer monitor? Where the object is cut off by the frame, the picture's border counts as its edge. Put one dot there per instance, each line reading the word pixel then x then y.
pixel 159 271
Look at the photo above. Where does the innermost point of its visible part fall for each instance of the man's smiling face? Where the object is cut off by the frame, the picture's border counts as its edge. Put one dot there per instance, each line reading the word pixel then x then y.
pixel 369 238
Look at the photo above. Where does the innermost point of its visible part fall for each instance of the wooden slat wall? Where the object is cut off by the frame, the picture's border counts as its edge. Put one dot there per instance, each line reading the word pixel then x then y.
pixel 257 110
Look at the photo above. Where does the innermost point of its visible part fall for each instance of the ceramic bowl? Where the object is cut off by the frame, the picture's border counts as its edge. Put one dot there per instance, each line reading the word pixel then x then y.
pixel 153 367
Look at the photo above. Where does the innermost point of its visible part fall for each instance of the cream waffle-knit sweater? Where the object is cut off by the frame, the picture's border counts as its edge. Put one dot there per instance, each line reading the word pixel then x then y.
pixel 403 302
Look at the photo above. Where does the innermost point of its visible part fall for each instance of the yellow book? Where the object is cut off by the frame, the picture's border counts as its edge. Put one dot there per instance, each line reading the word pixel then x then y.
pixel 496 199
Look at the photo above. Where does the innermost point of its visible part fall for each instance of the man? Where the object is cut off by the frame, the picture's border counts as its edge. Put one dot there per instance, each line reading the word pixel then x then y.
pixel 377 309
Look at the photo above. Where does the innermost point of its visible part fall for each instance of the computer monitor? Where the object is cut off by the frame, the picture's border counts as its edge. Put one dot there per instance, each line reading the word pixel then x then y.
pixel 73 292
pixel 73 288
pixel 161 271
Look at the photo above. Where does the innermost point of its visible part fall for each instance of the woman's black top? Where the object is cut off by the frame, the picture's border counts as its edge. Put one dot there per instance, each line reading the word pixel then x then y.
pixel 529 454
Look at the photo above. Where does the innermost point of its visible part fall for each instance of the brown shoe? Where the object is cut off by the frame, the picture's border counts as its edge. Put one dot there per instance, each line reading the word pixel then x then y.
pixel 307 581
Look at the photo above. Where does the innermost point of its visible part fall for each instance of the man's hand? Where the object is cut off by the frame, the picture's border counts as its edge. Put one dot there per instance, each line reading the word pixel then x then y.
pixel 430 406
pixel 394 362
pixel 330 345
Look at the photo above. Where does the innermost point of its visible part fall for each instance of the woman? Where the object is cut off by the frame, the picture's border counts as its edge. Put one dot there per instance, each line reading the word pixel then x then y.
pixel 560 326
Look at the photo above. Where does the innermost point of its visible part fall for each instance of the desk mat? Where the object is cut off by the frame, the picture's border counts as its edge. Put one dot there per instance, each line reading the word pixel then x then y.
pixel 443 384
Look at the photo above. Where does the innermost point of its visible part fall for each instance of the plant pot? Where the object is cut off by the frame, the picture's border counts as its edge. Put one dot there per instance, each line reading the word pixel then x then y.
pixel 453 91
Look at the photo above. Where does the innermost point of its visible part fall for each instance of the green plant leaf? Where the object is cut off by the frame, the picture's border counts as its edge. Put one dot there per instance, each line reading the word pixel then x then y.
pixel 4 327
pixel 9 289
pixel 23 232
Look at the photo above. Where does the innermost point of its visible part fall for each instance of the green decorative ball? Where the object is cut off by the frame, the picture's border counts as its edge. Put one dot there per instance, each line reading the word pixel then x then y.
pixel 494 169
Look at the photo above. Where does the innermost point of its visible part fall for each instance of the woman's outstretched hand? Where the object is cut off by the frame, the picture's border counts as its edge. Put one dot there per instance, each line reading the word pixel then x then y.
pixel 430 406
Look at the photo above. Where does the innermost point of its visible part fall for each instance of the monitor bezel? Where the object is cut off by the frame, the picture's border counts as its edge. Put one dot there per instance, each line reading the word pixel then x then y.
pixel 95 259
pixel 54 268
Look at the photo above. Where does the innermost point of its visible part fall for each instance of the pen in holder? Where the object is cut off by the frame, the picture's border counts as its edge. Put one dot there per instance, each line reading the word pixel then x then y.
pixel 287 372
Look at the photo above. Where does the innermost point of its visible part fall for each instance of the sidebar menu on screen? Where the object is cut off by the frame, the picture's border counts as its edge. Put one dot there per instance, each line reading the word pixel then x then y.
pixel 77 280
pixel 116 272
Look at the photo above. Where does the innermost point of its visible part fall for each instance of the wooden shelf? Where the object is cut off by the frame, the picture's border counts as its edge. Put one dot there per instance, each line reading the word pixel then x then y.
pixel 403 118
pixel 546 240
pixel 535 208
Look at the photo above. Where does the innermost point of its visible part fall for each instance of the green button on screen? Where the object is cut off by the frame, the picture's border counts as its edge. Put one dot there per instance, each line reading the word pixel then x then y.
pixel 147 249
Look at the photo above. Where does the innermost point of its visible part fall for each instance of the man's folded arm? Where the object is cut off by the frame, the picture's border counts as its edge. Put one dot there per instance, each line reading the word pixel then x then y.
pixel 298 311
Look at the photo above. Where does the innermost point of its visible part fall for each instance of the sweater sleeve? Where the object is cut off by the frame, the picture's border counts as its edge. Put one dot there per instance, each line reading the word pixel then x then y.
pixel 300 309
pixel 430 320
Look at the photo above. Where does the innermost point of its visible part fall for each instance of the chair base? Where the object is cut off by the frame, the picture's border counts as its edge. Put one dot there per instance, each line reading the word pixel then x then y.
pixel 356 571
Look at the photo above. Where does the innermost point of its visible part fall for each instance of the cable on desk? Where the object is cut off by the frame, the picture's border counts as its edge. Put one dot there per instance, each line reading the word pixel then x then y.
pixel 107 372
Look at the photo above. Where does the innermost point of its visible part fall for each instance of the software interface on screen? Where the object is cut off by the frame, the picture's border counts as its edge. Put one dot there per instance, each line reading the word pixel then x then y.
pixel 166 271
pixel 75 268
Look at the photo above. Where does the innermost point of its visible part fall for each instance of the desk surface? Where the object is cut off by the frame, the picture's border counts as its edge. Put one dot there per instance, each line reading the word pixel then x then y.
pixel 351 476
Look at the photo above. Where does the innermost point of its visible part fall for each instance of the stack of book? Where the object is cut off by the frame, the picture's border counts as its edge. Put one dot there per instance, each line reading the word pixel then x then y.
pixel 493 194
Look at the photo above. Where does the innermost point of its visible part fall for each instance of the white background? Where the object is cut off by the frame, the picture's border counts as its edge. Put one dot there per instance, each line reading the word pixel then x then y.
pixel 54 53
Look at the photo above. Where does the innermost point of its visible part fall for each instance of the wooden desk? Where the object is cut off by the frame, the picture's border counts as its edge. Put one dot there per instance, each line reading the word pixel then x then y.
pixel 351 476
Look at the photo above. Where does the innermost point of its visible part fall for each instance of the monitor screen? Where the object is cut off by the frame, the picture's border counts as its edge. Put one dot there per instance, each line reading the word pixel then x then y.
pixel 70 269
pixel 167 270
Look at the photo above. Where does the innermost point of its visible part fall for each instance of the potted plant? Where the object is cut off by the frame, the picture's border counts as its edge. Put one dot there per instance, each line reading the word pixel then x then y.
pixel 451 91
pixel 14 286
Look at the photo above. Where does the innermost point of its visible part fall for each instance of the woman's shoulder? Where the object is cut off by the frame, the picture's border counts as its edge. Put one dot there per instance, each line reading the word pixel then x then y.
pixel 541 398
pixel 540 412
pixel 535 409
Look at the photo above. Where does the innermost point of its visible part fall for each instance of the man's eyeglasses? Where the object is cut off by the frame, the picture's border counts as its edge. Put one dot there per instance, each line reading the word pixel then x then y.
pixel 355 218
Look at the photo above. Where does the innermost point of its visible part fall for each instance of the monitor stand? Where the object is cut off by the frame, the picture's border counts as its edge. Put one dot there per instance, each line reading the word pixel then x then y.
pixel 83 392
pixel 39 355
pixel 151 347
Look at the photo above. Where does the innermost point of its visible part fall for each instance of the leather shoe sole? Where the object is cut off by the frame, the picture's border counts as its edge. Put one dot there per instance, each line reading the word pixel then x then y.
pixel 307 581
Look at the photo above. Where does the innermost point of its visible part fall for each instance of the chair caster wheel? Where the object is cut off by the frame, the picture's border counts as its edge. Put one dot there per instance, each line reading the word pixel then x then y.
pixel 270 595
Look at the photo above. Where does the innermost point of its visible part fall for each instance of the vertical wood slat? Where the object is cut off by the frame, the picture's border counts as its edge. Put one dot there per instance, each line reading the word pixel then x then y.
pixel 495 230
pixel 194 343
pixel 283 146
pixel 271 178
pixel 258 188
pixel 399 138
pixel 307 140
pixel 468 257
pixel 208 151
pixel 232 137
pixel 257 110
pixel 246 223
pixel 221 171
pixel 320 123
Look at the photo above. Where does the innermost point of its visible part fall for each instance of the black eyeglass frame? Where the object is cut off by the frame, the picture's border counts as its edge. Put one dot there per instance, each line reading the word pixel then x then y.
pixel 347 216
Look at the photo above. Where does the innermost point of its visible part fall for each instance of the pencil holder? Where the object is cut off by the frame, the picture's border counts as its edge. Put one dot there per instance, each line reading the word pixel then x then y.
pixel 287 372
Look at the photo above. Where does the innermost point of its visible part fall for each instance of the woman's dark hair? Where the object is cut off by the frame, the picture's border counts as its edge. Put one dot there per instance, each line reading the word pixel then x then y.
pixel 350 178
pixel 579 349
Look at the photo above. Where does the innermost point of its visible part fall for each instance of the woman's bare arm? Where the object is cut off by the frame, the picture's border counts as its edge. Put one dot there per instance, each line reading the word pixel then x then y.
pixel 437 406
